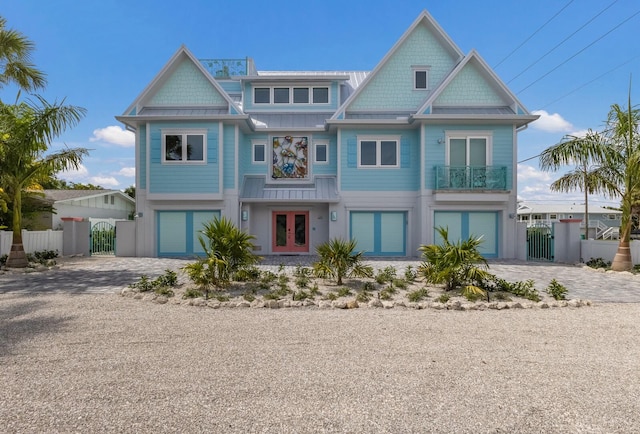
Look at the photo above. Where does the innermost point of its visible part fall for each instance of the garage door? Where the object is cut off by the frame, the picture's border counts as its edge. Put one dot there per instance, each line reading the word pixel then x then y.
pixel 178 231
pixel 379 233
pixel 462 225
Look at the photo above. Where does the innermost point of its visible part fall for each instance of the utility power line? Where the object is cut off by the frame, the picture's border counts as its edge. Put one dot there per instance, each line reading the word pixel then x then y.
pixel 563 41
pixel 589 82
pixel 579 52
pixel 533 34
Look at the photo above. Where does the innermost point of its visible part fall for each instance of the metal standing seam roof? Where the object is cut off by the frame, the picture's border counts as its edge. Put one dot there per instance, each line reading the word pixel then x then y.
pixel 256 189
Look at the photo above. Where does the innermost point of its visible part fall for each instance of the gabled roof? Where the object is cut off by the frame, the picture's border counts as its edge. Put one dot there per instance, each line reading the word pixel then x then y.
pixel 487 73
pixel 61 196
pixel 153 87
pixel 423 19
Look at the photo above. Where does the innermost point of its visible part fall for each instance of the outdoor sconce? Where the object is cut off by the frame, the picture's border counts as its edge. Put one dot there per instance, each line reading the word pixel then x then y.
pixel 245 215
pixel 333 216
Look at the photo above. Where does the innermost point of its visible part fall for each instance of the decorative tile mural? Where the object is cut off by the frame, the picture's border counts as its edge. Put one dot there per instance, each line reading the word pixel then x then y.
pixel 290 157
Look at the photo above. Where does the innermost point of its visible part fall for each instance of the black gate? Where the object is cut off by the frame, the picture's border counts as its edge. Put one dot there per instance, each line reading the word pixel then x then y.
pixel 540 242
pixel 103 239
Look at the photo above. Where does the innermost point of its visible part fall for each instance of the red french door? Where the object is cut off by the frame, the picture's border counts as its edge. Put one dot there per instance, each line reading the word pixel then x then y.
pixel 290 231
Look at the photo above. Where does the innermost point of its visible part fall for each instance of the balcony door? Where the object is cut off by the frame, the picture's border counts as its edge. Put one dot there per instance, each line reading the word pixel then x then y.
pixel 468 151
pixel 290 231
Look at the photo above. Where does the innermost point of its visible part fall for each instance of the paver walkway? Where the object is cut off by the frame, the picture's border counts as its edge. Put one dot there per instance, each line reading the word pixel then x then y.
pixel 110 275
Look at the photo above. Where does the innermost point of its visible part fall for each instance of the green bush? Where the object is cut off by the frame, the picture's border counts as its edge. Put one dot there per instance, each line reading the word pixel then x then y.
pixel 556 290
pixel 598 263
pixel 418 295
pixel 454 264
pixel 410 274
pixel 192 293
pixel 443 298
pixel 386 275
pixel 338 260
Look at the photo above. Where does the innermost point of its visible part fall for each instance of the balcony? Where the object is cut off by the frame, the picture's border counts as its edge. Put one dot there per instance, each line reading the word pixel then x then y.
pixel 226 68
pixel 471 178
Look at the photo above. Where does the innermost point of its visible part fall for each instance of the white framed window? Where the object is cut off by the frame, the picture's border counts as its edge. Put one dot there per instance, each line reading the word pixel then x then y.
pixel 258 151
pixel 184 146
pixel 553 216
pixel 524 218
pixel 321 95
pixel 262 95
pixel 291 95
pixel 420 77
pixel 379 151
pixel 468 148
pixel 113 200
pixel 321 151
pixel 106 200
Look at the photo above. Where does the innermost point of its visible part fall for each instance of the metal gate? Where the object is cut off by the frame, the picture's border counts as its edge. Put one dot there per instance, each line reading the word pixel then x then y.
pixel 540 242
pixel 103 239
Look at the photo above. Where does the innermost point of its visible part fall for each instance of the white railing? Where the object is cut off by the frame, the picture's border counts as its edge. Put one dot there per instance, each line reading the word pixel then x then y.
pixel 33 241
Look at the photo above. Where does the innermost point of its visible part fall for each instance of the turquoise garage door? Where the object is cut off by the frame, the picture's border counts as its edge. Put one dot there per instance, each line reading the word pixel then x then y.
pixel 379 233
pixel 178 231
pixel 461 225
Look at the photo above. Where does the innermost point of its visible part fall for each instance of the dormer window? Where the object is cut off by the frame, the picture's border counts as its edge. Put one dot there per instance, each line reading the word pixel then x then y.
pixel 421 77
pixel 291 95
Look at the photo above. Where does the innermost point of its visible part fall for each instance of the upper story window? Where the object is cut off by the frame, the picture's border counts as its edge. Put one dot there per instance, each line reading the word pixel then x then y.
pixel 378 151
pixel 259 152
pixel 321 151
pixel 421 77
pixel 291 95
pixel 184 146
pixel 468 149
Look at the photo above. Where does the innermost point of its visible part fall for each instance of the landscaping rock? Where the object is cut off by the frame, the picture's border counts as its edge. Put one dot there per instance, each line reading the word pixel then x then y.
pixel 339 304
pixel 352 304
pixel 374 303
pixel 243 303
pixel 388 304
pixel 272 304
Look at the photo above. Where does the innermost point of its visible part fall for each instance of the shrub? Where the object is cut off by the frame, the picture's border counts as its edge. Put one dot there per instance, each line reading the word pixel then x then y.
pixel 443 298
pixel 598 263
pixel 314 291
pixel 144 284
pixel 523 289
pixel 556 290
pixel 363 296
pixel 248 296
pixel 418 295
pixel 338 260
pixel 399 283
pixel 301 295
pixel 410 274
pixel 247 274
pixel 454 264
pixel 386 275
pixel 344 292
pixel 385 294
pixel 192 293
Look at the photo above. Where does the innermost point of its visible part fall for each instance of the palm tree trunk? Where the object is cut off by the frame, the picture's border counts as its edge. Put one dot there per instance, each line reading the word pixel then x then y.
pixel 17 256
pixel 622 260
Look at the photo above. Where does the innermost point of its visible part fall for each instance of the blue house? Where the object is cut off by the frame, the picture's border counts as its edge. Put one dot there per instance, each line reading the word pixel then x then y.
pixel 426 139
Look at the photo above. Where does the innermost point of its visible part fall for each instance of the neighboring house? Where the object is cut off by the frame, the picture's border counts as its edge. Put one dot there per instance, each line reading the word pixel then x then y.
pixel 83 203
pixel 604 223
pixel 426 139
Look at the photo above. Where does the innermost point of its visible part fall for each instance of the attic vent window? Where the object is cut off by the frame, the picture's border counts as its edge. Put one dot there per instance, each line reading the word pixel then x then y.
pixel 421 77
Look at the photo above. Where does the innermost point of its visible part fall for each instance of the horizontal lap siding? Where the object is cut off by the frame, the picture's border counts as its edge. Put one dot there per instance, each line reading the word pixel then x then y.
pixel 184 178
pixel 331 167
pixel 404 178
pixel 502 150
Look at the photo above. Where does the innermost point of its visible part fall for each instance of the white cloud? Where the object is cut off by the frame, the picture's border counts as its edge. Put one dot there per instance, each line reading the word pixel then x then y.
pixel 115 135
pixel 530 173
pixel 127 171
pixel 104 181
pixel 579 133
pixel 75 175
pixel 551 123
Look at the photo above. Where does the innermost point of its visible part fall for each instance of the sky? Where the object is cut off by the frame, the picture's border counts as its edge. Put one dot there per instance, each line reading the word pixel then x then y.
pixel 565 60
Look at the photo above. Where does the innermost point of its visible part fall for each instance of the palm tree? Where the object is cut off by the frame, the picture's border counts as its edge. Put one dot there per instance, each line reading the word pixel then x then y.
pixel 586 153
pixel 338 260
pixel 623 165
pixel 455 264
pixel 27 130
pixel 15 60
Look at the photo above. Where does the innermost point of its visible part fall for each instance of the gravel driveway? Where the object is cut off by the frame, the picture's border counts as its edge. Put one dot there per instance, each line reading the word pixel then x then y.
pixel 104 363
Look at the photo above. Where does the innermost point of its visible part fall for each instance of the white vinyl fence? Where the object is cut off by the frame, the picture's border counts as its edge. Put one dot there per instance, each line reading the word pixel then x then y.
pixel 605 249
pixel 33 241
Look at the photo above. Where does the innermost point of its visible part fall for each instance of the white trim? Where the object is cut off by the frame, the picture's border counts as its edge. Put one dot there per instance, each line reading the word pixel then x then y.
pixel 184 132
pixel 320 142
pixel 378 139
